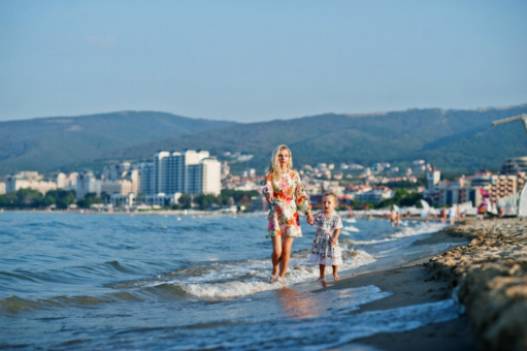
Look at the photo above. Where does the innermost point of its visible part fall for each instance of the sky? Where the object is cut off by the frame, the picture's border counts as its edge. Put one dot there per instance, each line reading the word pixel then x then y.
pixel 259 60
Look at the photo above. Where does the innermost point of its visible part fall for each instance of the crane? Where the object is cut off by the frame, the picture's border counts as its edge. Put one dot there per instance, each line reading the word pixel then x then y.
pixel 522 117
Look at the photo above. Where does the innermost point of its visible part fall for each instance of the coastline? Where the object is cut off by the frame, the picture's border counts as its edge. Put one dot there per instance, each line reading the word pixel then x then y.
pixel 411 284
pixel 412 215
pixel 179 213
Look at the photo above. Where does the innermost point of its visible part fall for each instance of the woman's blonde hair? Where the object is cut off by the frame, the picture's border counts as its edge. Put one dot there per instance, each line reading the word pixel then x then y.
pixel 274 168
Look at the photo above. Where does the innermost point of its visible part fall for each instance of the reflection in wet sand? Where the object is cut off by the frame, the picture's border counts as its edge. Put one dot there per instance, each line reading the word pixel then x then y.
pixel 298 305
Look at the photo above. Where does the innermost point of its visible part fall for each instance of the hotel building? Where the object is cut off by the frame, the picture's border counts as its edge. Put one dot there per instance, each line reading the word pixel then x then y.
pixel 190 172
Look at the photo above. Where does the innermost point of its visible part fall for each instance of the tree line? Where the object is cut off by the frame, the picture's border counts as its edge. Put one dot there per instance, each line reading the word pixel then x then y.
pixel 30 198
pixel 63 199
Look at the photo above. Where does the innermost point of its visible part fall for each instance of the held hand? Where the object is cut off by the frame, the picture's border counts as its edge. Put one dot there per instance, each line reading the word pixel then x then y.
pixel 334 240
pixel 268 194
pixel 310 219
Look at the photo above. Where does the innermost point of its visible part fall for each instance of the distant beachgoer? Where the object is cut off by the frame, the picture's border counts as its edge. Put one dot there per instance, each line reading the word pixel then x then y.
pixel 325 250
pixel 426 211
pixel 452 214
pixel 501 211
pixel 286 197
pixel 443 215
pixel 395 216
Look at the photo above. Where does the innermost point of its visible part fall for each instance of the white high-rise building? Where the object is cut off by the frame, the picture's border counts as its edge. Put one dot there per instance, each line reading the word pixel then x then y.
pixel 62 180
pixel 67 181
pixel 191 172
pixel 194 179
pixel 133 175
pixel 194 157
pixel 87 183
pixel 211 176
pixel 160 172
pixel 176 173
pixel 146 178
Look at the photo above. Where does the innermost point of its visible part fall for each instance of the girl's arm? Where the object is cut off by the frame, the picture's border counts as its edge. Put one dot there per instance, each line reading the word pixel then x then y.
pixel 335 236
pixel 336 231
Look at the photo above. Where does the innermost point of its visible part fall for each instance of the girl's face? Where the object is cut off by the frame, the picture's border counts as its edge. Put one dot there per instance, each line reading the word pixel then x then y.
pixel 328 203
pixel 283 158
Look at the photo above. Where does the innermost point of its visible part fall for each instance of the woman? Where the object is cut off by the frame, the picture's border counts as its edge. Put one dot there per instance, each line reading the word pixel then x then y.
pixel 285 195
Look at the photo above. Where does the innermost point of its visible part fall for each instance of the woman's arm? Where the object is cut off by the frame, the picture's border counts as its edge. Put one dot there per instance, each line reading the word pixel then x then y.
pixel 302 199
pixel 267 189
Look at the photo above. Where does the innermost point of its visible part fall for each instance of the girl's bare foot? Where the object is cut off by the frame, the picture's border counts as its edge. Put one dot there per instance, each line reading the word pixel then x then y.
pixel 336 276
pixel 274 278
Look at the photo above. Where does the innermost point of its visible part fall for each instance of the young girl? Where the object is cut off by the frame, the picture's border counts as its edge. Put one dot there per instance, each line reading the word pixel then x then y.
pixel 326 249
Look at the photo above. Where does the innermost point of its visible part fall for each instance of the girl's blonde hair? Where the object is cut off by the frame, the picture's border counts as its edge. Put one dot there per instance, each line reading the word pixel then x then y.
pixel 274 168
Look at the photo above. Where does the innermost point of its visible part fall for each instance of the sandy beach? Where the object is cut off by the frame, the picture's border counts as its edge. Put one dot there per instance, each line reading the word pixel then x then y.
pixel 489 277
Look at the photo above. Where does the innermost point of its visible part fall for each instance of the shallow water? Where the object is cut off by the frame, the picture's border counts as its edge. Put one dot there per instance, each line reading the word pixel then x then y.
pixel 166 282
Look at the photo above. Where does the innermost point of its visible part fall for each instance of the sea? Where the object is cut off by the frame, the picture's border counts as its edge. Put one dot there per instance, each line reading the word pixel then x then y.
pixel 73 281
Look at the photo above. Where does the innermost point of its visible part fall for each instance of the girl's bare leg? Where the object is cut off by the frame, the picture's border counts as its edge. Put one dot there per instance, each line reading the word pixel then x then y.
pixel 277 253
pixel 336 273
pixel 322 278
pixel 322 269
pixel 287 243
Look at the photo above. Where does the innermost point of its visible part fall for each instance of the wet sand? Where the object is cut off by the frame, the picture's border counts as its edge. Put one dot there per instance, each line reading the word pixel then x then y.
pixel 411 284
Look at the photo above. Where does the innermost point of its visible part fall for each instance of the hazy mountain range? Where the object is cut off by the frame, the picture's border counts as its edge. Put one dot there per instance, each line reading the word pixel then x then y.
pixel 455 140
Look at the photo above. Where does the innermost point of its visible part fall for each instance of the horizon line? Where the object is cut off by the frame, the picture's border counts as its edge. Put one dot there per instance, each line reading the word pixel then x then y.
pixel 350 114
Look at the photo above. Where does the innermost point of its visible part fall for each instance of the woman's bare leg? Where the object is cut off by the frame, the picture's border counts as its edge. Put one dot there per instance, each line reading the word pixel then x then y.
pixel 277 253
pixel 287 243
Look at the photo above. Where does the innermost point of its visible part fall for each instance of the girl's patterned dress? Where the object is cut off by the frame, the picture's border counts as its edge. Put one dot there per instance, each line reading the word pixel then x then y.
pixel 289 198
pixel 323 251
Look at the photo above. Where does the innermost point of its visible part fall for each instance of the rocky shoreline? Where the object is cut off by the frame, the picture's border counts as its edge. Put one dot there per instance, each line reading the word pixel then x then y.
pixel 490 274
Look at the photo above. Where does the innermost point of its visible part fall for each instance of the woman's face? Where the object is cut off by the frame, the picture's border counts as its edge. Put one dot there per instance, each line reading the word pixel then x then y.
pixel 283 158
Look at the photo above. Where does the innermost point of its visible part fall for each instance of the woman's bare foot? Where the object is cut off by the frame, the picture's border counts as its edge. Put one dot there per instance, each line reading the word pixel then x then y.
pixel 336 277
pixel 274 278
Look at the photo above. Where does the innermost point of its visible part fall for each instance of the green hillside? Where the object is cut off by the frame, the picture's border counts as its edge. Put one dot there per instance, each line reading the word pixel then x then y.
pixel 48 144
pixel 455 140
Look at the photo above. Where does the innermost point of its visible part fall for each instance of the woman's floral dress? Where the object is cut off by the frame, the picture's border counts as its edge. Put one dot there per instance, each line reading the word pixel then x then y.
pixel 288 198
pixel 323 251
